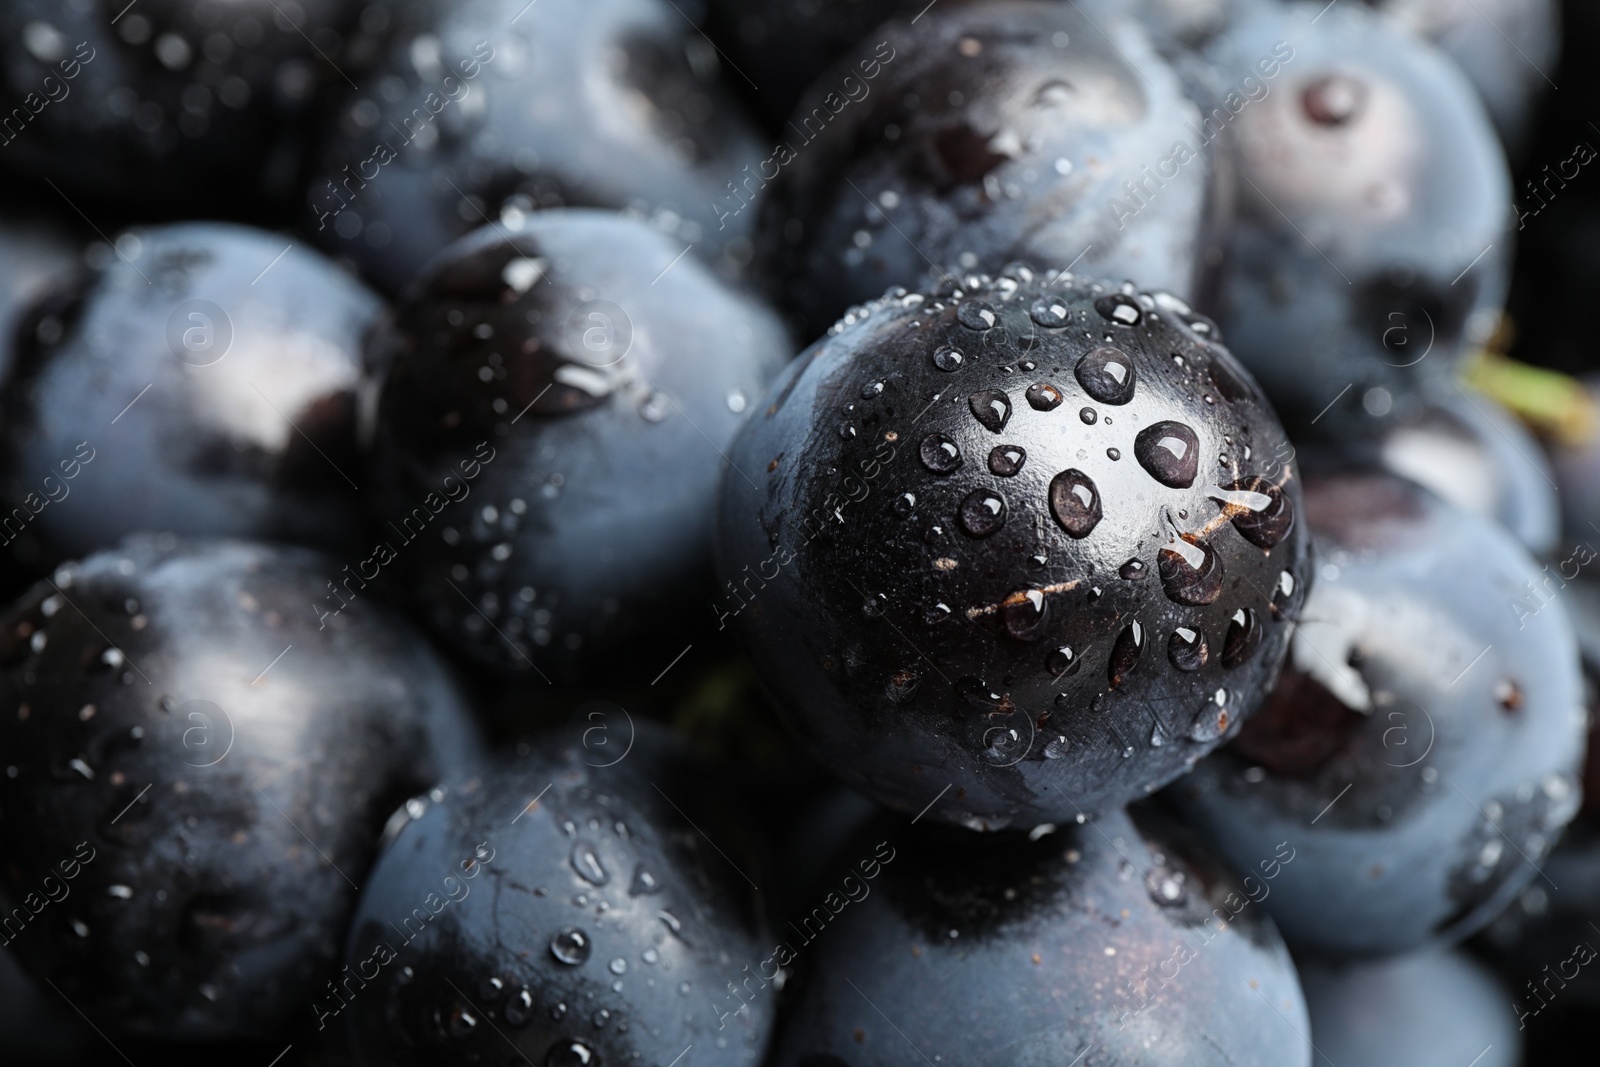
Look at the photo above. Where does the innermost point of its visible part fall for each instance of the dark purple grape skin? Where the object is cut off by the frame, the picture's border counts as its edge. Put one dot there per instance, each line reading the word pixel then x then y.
pixel 204 380
pixel 1370 248
pixel 786 46
pixel 488 109
pixel 1431 1008
pixel 1451 784
pixel 572 390
pixel 980 135
pixel 913 648
pixel 577 905
pixel 1090 937
pixel 153 748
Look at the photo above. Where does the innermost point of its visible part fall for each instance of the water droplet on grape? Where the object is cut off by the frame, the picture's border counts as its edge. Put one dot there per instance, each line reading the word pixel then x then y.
pixel 1107 375
pixel 1169 452
pixel 1125 654
pixel 1075 503
pixel 1187 649
pixel 1006 460
pixel 939 454
pixel 1024 614
pixel 1244 636
pixel 571 946
pixel 992 408
pixel 1042 396
pixel 983 512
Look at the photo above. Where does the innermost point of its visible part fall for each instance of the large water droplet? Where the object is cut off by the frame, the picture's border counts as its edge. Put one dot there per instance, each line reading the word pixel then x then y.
pixel 990 407
pixel 1132 570
pixel 1088 415
pixel 1075 502
pixel 948 359
pixel 1187 649
pixel 1106 374
pixel 1050 311
pixel 939 454
pixel 1024 614
pixel 586 861
pixel 518 1009
pixel 1125 654
pixel 977 315
pixel 1170 452
pixel 570 1052
pixel 1006 460
pixel 571 946
pixel 983 512
pixel 1244 636
pixel 1119 308
pixel 1042 396
pixel 1259 509
pixel 1191 571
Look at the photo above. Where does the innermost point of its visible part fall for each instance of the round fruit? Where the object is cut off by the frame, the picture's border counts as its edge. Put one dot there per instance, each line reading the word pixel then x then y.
pixel 579 381
pixel 1427 1009
pixel 1423 746
pixel 1027 545
pixel 496 108
pixel 983 134
pixel 1370 247
pixel 1114 942
pixel 195 774
pixel 558 908
pixel 203 380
